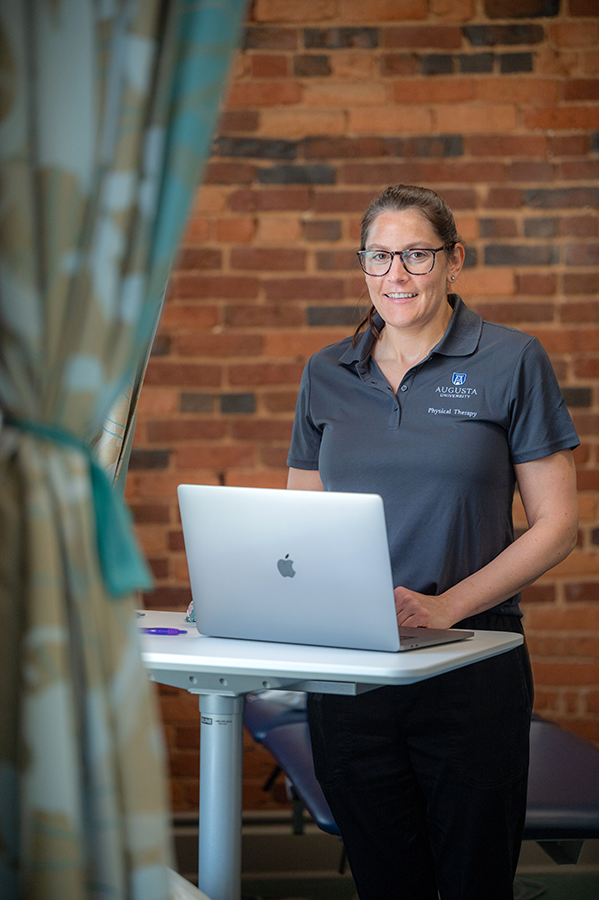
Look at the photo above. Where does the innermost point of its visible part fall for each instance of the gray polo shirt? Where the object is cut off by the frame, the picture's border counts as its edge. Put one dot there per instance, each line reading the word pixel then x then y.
pixel 441 451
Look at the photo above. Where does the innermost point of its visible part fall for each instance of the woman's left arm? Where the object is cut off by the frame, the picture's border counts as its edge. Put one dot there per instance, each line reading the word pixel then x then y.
pixel 548 491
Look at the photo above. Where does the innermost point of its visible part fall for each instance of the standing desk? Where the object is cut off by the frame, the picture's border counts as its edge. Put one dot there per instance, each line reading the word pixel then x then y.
pixel 222 671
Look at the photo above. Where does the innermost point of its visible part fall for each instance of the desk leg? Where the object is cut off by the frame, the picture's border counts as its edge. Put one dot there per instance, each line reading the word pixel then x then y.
pixel 219 856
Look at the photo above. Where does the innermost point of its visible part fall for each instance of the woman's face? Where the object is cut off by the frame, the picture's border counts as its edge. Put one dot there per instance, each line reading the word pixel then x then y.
pixel 410 301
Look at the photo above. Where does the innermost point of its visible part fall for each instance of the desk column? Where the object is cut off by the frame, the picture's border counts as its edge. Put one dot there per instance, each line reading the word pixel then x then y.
pixel 219 850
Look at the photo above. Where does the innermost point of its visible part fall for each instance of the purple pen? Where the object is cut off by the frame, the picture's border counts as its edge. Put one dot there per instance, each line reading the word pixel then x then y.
pixel 162 631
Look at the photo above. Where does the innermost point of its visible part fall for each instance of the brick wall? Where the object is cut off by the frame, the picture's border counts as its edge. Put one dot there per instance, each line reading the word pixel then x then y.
pixel 491 102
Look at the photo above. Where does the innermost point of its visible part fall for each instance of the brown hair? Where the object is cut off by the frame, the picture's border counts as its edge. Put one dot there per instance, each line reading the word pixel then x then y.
pixel 408 196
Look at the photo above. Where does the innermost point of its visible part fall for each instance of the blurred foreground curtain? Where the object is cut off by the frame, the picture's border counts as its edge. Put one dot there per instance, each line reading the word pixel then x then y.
pixel 106 113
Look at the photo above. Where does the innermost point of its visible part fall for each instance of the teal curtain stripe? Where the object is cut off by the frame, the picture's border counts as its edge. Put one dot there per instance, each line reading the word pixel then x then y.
pixel 209 34
pixel 122 565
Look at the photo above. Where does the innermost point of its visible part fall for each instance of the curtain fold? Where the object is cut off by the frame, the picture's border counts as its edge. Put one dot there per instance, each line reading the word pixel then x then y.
pixel 106 113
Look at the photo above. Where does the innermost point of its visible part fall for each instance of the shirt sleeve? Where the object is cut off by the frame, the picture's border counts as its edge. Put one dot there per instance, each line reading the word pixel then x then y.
pixel 540 423
pixel 306 437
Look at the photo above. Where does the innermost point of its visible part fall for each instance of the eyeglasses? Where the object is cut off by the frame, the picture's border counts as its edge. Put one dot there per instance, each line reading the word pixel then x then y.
pixel 418 261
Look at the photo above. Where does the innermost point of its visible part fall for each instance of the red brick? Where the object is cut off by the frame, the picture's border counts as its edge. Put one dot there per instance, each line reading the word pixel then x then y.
pixel 581 283
pixel 188 736
pixel 330 93
pixel 229 173
pixel 197 231
pixel 399 64
pixel 183 374
pixel 586 423
pixel 381 10
pixel 504 198
pixel 274 259
pixel 263 93
pixel 188 315
pixel 446 37
pixel 441 90
pixel 269 65
pixel 564 645
pixel 343 147
pixel 159 567
pixel 150 512
pixel 546 699
pixel 582 454
pixel 199 258
pixel 566 117
pixel 262 430
pixel 580 226
pixel 216 286
pixel 266 374
pixel 219 345
pixel 343 201
pixel 173 430
pixel 589 62
pixel 245 200
pixel 509 313
pixel 275 457
pixel 532 146
pixel 176 543
pixel 567 673
pixel 587 480
pixel 568 144
pixel 394 119
pixel 298 11
pixel 569 340
pixel 501 227
pixel 380 173
pixel 532 283
pixel 301 344
pixel 167 598
pixel 441 172
pixel 468 118
pixel 522 170
pixel 304 289
pixel 581 89
pixel 538 593
pixel 584 169
pixel 582 593
pixel 566 34
pixel 529 91
pixel 582 254
pixel 580 312
pixel 586 8
pixel 233 121
pixel 266 316
pixel 459 198
pixel 280 402
pixel 238 230
pixel 247 478
pixel 219 457
pixel 335 260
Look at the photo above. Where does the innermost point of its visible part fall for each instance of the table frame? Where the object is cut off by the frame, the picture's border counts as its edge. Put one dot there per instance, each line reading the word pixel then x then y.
pixel 223 671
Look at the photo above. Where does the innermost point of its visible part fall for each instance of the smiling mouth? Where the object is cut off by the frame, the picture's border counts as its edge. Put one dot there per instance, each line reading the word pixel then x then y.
pixel 400 296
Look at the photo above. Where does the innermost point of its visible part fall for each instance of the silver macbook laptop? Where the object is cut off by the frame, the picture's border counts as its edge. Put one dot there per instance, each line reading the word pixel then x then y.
pixel 302 567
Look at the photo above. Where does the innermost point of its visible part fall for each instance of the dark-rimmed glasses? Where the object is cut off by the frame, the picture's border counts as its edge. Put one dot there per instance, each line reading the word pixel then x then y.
pixel 417 261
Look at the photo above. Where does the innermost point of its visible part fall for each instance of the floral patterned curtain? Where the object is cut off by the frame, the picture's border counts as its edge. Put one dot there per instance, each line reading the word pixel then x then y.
pixel 106 113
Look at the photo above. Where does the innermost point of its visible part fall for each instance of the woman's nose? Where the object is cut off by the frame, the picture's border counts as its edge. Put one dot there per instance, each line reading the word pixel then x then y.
pixel 397 268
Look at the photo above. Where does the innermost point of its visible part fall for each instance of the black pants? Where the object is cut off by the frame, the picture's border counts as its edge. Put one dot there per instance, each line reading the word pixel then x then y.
pixel 427 782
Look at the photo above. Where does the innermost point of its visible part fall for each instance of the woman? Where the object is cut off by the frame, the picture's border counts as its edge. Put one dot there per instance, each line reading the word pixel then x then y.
pixel 442 414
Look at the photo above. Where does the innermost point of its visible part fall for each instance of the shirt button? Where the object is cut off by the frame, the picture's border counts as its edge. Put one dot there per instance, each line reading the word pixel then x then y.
pixel 403 388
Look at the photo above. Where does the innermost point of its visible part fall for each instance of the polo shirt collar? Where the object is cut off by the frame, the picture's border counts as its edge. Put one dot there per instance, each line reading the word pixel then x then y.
pixel 460 339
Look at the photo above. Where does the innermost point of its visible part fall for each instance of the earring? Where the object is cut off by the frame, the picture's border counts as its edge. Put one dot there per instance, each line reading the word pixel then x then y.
pixel 453 277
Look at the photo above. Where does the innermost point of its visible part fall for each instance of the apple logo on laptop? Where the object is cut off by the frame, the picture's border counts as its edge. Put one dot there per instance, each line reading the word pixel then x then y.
pixel 285 567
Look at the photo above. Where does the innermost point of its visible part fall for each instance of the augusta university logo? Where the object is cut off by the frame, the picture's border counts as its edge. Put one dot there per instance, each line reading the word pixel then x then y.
pixel 459 378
